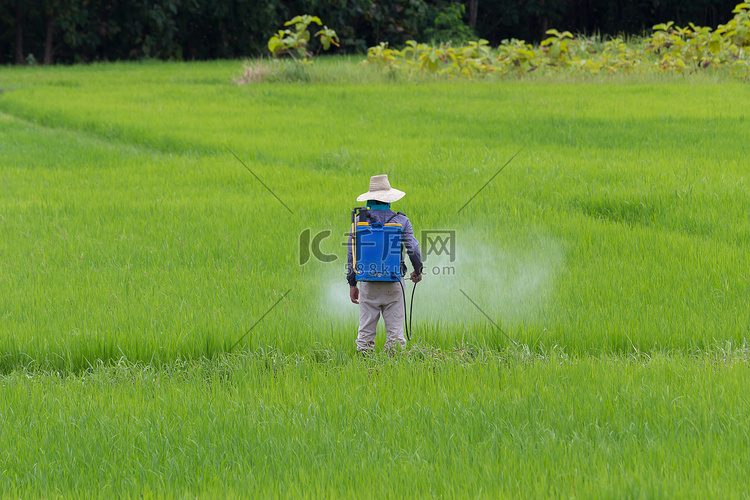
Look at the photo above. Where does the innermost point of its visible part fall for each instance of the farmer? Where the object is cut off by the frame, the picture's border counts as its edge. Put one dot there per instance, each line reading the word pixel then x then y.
pixel 383 297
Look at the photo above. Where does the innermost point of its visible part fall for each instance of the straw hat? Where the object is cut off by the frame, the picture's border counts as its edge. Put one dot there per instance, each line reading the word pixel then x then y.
pixel 381 190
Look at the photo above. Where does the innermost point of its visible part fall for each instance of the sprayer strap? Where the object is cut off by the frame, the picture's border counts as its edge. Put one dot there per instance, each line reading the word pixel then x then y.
pixel 394 215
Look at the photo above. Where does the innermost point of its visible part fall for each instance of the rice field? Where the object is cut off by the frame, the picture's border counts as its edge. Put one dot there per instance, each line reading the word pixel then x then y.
pixel 586 338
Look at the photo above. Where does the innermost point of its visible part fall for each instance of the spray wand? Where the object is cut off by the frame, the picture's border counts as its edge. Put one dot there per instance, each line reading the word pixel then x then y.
pixel 407 320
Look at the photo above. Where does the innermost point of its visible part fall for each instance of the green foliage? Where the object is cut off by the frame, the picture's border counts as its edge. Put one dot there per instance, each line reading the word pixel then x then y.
pixel 468 61
pixel 87 30
pixel 557 47
pixel 737 31
pixel 516 56
pixel 691 48
pixel 449 26
pixel 296 41
pixel 327 37
pixel 618 57
pixel 668 49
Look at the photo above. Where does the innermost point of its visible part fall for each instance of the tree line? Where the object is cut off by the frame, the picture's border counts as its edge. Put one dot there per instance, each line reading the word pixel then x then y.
pixel 72 31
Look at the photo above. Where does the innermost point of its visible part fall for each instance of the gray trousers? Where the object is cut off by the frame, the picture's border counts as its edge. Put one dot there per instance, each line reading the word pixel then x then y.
pixel 376 298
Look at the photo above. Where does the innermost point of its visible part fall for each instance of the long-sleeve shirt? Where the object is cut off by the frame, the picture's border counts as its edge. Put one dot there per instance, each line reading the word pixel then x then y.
pixel 408 241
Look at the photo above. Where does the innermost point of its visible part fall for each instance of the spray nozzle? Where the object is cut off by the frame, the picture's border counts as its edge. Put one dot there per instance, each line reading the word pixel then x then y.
pixel 362 213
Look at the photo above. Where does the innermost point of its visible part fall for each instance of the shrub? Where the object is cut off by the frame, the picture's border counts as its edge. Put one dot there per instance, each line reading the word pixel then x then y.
pixel 296 41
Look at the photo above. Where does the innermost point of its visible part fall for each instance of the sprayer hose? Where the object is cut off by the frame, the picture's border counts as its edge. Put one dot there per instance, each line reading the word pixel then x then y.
pixel 411 308
pixel 408 320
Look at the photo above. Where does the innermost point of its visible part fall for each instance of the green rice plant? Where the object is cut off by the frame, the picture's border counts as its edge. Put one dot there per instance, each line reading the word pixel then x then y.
pixel 603 352
pixel 129 231
pixel 271 425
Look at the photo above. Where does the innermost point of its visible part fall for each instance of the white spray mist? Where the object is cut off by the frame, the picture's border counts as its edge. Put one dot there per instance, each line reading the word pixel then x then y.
pixel 510 280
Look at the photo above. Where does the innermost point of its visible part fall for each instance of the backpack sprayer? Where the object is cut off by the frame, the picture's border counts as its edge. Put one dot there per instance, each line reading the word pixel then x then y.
pixel 376 253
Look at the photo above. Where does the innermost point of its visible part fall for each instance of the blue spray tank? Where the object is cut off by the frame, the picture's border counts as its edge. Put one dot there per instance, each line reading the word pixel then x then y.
pixel 376 255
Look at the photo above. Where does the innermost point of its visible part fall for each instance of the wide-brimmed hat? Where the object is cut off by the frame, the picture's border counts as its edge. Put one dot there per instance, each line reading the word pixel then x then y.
pixel 381 190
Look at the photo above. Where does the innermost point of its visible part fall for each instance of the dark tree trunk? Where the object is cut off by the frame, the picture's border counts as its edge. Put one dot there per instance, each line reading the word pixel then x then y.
pixel 19 32
pixel 473 7
pixel 48 48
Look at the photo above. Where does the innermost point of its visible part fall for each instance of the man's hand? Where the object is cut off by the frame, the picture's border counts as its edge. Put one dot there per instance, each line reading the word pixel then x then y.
pixel 354 294
pixel 416 278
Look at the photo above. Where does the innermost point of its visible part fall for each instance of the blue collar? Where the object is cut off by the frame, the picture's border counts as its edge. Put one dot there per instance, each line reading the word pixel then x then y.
pixel 378 205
